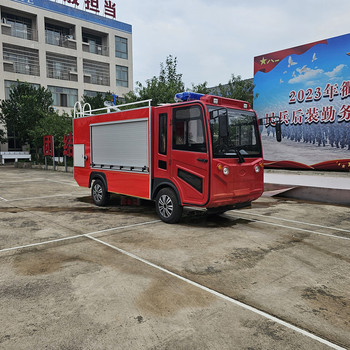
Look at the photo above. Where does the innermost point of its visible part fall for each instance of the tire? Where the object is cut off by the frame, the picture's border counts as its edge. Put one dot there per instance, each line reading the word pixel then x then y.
pixel 99 193
pixel 167 206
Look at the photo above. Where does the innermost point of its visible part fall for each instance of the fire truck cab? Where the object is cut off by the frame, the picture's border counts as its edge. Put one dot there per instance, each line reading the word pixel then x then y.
pixel 203 151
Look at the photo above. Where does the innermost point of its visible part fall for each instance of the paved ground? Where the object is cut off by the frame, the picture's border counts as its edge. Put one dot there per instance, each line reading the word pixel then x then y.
pixel 272 277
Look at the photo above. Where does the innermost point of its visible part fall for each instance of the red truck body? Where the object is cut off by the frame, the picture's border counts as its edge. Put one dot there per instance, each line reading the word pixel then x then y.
pixel 204 152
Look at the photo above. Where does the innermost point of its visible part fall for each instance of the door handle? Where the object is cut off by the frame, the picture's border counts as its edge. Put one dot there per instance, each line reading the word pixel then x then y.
pixel 202 160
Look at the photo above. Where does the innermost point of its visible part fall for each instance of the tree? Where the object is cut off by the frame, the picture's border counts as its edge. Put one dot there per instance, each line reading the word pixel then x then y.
pixel 51 124
pixel 26 106
pixel 238 89
pixel 98 100
pixel 28 115
pixel 161 89
pixel 201 88
pixel 3 139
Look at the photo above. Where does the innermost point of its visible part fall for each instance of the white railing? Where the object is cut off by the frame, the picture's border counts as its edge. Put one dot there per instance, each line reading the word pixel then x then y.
pixel 14 155
pixel 85 110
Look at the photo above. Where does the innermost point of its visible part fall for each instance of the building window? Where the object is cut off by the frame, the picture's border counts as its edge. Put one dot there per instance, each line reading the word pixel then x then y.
pixel 121 47
pixel 94 44
pixel 21 60
pixel 63 97
pixel 96 72
pixel 20 27
pixel 54 34
pixel 91 93
pixel 9 85
pixel 61 67
pixel 122 76
pixel 59 36
pixel 14 144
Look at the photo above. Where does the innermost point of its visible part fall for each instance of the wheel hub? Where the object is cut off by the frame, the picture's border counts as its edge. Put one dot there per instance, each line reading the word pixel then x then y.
pixel 97 192
pixel 166 206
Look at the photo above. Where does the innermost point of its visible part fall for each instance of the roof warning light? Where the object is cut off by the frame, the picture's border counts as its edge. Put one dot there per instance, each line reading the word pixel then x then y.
pixel 187 96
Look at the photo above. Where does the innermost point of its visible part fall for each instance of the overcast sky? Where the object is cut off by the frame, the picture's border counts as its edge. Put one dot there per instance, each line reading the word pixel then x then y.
pixel 213 39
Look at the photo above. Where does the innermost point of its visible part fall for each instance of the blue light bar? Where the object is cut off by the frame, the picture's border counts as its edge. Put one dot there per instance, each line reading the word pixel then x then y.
pixel 187 96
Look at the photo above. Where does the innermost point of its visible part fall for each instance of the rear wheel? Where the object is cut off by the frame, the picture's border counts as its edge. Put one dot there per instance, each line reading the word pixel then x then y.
pixel 99 193
pixel 168 207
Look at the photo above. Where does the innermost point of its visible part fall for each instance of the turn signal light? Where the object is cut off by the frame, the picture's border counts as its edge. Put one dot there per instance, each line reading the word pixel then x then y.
pixel 225 170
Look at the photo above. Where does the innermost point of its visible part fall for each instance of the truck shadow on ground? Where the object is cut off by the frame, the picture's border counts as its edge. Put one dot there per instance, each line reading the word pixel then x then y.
pixel 190 217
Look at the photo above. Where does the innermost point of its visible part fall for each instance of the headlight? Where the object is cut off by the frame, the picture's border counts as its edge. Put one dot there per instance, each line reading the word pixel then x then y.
pixel 257 168
pixel 226 170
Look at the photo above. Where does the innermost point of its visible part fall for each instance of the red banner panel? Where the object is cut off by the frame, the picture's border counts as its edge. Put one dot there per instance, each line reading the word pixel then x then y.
pixel 48 145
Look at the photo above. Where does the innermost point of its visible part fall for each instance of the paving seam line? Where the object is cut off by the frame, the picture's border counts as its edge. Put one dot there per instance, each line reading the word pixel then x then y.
pixel 77 236
pixel 42 197
pixel 222 296
pixel 74 184
pixel 71 183
pixel 21 181
pixel 297 229
pixel 295 221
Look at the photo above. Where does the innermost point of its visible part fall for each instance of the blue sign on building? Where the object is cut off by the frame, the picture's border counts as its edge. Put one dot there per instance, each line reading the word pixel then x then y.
pixel 94 11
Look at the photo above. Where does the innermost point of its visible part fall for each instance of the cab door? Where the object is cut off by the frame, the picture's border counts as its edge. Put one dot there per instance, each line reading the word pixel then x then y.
pixel 190 162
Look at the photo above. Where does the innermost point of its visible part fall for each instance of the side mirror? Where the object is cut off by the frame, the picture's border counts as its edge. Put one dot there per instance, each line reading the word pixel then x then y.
pixel 278 131
pixel 223 125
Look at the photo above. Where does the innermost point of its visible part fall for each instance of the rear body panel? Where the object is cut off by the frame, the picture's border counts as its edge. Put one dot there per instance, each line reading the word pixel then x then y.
pixel 123 175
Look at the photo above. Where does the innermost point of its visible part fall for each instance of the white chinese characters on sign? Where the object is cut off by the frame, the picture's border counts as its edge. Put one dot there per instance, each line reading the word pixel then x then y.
pixel 323 114
pixel 105 8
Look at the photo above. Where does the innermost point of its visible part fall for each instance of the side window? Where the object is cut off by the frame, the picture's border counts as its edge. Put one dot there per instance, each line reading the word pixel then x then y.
pixel 162 133
pixel 188 129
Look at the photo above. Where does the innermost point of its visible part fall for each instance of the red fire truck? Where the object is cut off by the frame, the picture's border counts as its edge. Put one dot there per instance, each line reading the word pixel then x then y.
pixel 203 151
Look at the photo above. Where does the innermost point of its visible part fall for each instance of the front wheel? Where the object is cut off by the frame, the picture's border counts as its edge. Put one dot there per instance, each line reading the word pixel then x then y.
pixel 99 193
pixel 167 206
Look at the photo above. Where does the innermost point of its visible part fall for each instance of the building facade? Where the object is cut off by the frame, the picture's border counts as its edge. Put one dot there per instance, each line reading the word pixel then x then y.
pixel 69 49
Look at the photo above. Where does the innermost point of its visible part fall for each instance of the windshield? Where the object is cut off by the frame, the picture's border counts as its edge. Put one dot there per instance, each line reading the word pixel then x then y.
pixel 234 133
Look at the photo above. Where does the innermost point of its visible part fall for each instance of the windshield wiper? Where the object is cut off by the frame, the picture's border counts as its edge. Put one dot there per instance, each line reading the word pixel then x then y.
pixel 239 154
